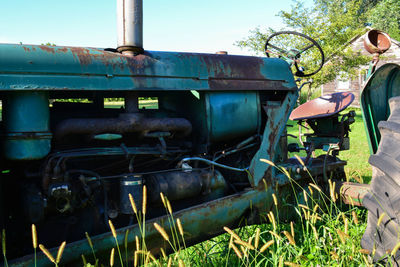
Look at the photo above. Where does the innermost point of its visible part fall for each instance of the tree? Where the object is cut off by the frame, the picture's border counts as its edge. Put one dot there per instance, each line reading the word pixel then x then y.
pixel 333 23
pixel 385 16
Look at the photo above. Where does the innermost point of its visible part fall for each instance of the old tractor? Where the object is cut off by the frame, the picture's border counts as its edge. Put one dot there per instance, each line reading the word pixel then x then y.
pixel 69 161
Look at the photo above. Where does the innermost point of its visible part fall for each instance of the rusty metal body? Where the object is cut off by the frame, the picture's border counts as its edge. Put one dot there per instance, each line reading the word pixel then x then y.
pixel 72 160
pixel 230 110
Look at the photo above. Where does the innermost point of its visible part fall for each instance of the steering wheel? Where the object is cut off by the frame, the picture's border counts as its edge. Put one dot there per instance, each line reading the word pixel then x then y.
pixel 293 55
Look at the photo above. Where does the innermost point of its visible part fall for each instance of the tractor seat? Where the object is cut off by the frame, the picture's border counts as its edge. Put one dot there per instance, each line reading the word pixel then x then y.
pixel 323 106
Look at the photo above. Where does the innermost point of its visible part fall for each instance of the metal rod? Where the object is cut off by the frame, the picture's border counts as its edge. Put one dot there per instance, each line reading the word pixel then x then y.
pixel 130 26
pixel 213 163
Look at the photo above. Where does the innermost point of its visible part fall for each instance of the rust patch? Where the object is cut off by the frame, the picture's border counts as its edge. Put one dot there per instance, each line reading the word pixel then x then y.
pixel 83 55
pixel 139 63
pixel 86 56
pixel 235 67
pixel 27 49
pixel 62 49
pixel 351 193
pixel 241 84
pixel 47 48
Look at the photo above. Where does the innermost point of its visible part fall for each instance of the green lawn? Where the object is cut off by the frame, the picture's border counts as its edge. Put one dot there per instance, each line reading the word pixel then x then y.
pixel 147 104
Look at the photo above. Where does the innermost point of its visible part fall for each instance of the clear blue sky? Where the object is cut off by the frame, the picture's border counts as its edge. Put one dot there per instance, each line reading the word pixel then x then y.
pixel 169 25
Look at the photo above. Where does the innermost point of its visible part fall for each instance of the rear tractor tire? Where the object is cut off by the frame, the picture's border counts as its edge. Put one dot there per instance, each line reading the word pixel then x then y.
pixel 383 201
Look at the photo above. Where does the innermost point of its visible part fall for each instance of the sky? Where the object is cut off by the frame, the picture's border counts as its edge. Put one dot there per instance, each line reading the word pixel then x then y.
pixel 204 26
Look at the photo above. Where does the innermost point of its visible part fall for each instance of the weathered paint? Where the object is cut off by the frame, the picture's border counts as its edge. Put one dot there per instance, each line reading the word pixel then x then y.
pixel 31 67
pixel 382 85
pixel 351 193
pixel 277 114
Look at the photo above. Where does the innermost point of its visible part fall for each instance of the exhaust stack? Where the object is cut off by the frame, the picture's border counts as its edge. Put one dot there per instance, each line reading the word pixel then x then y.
pixel 130 26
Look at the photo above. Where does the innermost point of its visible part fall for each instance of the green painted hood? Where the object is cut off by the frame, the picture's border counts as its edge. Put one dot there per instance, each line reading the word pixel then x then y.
pixel 40 67
pixel 380 87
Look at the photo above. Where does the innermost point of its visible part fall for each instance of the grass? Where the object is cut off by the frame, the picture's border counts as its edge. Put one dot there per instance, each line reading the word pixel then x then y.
pixel 143 103
pixel 331 240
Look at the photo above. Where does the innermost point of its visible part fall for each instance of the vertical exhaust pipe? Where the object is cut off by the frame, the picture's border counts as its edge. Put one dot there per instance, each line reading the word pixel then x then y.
pixel 130 26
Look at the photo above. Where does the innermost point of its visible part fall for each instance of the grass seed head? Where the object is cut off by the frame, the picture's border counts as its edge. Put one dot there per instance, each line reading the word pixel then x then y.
pixel 34 237
pixel 315 208
pixel 137 243
pixel 268 162
pixel 244 244
pixel 250 241
pixel 275 200
pixel 285 171
pixel 291 264
pixel 60 251
pixel 342 236
pixel 395 249
pixel 300 160
pixel 180 228
pixel 169 262
pixel 232 233
pixel 163 199
pixel 161 231
pixel 163 253
pixel 311 191
pixel 133 205
pixel 257 238
pixel 305 196
pixel 169 207
pixel 346 226
pixel 380 219
pixel 266 246
pixel 114 233
pixel 303 206
pixel 275 235
pixel 355 218
pixel 112 257
pixel 144 203
pixel 315 187
pixel 290 238
pixel 237 251
pixel 47 253
pixel 292 228
pixel 272 218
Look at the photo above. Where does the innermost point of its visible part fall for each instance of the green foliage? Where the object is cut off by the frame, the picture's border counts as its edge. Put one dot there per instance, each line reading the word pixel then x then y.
pixel 385 16
pixel 48 44
pixel 333 24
